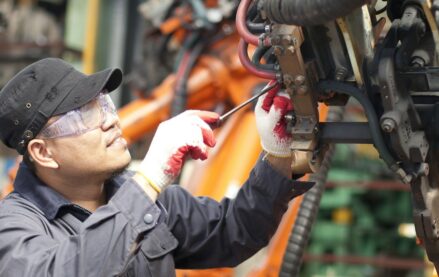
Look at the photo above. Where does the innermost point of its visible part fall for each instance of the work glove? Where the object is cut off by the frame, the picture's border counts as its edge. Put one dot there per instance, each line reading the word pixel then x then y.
pixel 186 135
pixel 270 111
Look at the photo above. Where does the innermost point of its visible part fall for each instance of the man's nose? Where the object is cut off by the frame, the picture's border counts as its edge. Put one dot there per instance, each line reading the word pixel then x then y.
pixel 110 120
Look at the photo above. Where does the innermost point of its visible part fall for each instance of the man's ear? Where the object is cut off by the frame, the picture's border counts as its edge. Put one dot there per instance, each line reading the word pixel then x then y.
pixel 41 154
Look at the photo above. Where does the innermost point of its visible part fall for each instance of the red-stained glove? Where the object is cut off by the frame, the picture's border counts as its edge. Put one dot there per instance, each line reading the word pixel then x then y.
pixel 186 135
pixel 272 126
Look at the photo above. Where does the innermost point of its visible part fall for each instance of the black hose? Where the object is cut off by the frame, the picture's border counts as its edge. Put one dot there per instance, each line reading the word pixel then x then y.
pixel 259 52
pixel 255 28
pixel 309 12
pixel 257 56
pixel 308 209
pixel 372 117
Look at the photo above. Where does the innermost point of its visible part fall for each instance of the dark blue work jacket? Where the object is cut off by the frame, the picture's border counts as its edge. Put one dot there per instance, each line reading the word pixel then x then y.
pixel 43 234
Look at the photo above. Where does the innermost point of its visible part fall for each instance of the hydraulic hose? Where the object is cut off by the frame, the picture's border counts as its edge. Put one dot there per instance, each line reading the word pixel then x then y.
pixel 245 60
pixel 309 12
pixel 257 56
pixel 241 23
pixel 258 28
pixel 372 118
pixel 307 213
pixel 254 21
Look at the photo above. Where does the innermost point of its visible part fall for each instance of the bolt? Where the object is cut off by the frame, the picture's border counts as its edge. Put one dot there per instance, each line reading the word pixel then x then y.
pixel 417 62
pixel 299 80
pixel 302 90
pixel 291 49
pixel 288 80
pixel 388 125
pixel 290 118
pixel 424 169
pixel 278 50
pixel 267 28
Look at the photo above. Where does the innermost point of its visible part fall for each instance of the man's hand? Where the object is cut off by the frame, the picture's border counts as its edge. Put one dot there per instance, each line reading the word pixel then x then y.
pixel 272 126
pixel 186 135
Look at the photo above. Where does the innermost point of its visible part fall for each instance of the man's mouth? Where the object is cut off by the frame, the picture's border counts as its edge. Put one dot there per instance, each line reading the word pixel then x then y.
pixel 115 137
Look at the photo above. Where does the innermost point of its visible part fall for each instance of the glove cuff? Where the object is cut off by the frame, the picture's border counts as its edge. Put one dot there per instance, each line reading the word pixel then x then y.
pixel 277 150
pixel 158 180
pixel 150 182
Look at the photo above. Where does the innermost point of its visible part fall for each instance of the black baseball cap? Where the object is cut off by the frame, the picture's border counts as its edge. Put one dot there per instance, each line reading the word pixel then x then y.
pixel 44 89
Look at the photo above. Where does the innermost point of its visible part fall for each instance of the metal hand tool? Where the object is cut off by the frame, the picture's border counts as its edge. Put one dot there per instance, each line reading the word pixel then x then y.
pixel 221 119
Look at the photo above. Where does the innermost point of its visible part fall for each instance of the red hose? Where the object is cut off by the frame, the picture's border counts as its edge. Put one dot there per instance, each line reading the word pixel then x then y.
pixel 241 26
pixel 243 57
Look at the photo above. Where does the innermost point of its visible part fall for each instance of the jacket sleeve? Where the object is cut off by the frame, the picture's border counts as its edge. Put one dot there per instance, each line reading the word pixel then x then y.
pixel 224 234
pixel 104 245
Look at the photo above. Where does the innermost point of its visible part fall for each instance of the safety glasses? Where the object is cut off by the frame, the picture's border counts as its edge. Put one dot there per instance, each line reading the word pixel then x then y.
pixel 81 120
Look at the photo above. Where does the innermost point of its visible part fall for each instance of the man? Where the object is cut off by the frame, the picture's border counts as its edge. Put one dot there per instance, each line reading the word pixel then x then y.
pixel 75 211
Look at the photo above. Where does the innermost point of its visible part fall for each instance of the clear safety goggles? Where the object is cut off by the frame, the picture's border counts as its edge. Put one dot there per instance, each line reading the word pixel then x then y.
pixel 81 120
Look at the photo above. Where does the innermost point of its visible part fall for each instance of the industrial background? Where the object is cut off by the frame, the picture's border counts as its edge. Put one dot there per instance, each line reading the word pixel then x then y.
pixel 364 225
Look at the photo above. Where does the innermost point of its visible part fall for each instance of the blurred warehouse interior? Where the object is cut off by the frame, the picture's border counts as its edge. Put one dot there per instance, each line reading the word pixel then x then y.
pixel 364 215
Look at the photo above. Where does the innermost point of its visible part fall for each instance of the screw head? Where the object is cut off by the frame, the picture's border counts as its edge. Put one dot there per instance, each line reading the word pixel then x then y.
pixel 299 80
pixel 388 125
pixel 288 80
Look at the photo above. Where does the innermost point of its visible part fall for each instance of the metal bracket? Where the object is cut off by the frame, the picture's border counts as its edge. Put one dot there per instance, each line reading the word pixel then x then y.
pixel 297 81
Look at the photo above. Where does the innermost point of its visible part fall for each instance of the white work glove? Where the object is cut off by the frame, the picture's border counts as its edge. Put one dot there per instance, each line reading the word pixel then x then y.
pixel 186 135
pixel 271 124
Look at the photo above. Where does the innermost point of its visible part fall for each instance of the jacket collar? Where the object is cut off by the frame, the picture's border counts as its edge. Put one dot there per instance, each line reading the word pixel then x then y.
pixel 49 201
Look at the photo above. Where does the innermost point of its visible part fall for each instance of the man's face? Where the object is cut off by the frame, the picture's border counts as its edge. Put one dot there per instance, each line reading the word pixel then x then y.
pixel 100 150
